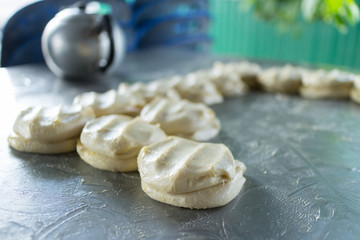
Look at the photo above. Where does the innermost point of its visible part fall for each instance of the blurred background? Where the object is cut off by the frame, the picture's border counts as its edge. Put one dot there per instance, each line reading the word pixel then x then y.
pixel 316 32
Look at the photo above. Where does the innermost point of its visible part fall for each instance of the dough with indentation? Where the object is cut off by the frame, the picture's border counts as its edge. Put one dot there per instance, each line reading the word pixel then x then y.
pixel 355 91
pixel 113 142
pixel 182 118
pixel 322 84
pixel 286 79
pixel 249 73
pixel 227 80
pixel 190 174
pixel 111 102
pixel 151 90
pixel 49 129
pixel 197 87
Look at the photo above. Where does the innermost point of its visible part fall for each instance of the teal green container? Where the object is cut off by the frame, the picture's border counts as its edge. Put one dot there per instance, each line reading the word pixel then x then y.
pixel 241 33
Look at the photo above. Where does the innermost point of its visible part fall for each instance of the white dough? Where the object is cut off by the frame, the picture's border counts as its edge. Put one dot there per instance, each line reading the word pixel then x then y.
pixel 355 95
pixel 227 80
pixel 111 102
pixel 355 91
pixel 49 129
pixel 151 90
pixel 113 142
pixel 248 72
pixel 322 78
pixel 33 146
pixel 356 81
pixel 182 118
pixel 103 162
pixel 197 87
pixel 285 79
pixel 189 174
pixel 323 84
pixel 323 92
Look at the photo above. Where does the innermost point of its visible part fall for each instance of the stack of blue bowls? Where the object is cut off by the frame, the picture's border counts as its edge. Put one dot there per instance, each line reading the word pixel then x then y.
pixel 170 23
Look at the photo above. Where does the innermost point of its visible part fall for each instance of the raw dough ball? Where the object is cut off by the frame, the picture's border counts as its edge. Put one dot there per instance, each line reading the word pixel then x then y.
pixel 150 90
pixel 285 79
pixel 113 142
pixel 355 95
pixel 227 80
pixel 25 145
pixel 355 91
pixel 182 118
pixel 323 84
pixel 49 129
pixel 189 174
pixel 111 102
pixel 197 87
pixel 249 73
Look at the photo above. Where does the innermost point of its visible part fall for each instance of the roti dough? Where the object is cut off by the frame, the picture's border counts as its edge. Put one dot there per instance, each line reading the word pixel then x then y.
pixel 103 162
pixel 111 102
pixel 190 174
pixel 197 87
pixel 227 80
pixel 249 73
pixel 355 91
pixel 285 79
pixel 153 89
pixel 322 84
pixel 113 142
pixel 33 146
pixel 182 118
pixel 49 129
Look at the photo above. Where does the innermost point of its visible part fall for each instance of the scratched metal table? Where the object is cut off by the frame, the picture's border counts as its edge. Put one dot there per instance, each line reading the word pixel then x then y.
pixel 303 177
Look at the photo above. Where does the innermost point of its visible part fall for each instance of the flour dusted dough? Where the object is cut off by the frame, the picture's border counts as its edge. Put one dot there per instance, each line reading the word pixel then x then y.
pixel 227 80
pixel 249 73
pixel 285 79
pixel 113 142
pixel 189 174
pixel 49 129
pixel 111 102
pixel 182 118
pixel 323 84
pixel 197 87
pixel 153 89
pixel 25 145
pixel 355 91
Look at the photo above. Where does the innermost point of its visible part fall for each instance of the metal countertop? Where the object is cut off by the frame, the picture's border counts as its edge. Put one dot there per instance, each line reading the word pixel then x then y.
pixel 302 158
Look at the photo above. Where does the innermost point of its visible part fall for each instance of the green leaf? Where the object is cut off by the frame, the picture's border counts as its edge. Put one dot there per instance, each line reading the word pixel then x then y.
pixel 309 8
pixel 340 13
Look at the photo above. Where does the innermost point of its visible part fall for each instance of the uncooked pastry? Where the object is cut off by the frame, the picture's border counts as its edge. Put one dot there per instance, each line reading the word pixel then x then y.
pixel 355 91
pixel 150 90
pixel 189 174
pixel 49 129
pixel 197 87
pixel 113 142
pixel 111 102
pixel 227 80
pixel 182 118
pixel 249 73
pixel 323 84
pixel 285 79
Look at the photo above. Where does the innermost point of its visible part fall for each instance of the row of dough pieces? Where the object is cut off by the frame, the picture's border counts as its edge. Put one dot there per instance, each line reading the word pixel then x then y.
pixel 113 142
pixel 173 170
pixel 210 86
pixel 198 175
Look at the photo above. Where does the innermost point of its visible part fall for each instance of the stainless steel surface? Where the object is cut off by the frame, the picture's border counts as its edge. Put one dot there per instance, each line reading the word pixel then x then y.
pixel 303 177
pixel 78 43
